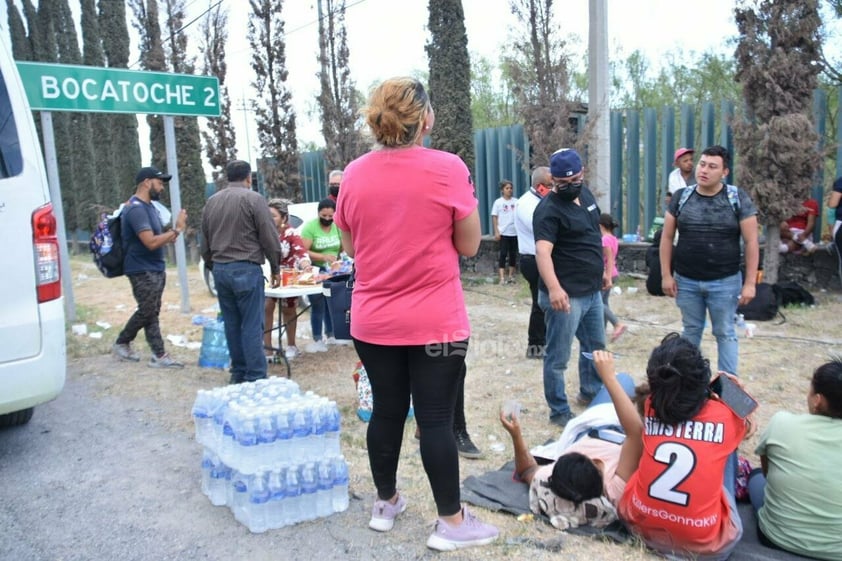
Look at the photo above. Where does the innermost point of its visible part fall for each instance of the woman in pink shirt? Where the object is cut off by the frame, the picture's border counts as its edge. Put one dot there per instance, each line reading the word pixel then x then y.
pixel 406 214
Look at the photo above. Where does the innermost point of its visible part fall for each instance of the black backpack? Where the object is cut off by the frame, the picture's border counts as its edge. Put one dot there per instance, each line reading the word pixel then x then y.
pixel 792 293
pixel 765 305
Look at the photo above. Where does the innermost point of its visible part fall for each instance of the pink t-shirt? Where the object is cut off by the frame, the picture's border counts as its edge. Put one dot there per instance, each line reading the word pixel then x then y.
pixel 399 206
pixel 610 241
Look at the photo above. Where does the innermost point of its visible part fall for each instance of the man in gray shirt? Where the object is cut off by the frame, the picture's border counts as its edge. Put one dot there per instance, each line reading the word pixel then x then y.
pixel 237 235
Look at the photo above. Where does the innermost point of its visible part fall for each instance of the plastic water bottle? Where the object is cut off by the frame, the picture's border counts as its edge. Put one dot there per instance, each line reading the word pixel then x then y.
pixel 293 496
pixel 247 441
pixel 334 421
pixel 277 499
pixel 309 487
pixel 220 474
pixel 207 464
pixel 258 502
pixel 266 436
pixel 202 418
pixel 324 493
pixel 317 434
pixel 239 496
pixel 740 325
pixel 300 434
pixel 339 492
pixel 214 351
pixel 283 434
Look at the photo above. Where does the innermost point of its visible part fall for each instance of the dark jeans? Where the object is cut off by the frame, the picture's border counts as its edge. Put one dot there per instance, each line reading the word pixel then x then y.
pixel 147 288
pixel 239 288
pixel 319 314
pixel 508 251
pixel 431 375
pixel 536 336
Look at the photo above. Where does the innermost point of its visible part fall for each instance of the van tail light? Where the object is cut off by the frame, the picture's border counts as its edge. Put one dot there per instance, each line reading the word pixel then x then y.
pixel 46 253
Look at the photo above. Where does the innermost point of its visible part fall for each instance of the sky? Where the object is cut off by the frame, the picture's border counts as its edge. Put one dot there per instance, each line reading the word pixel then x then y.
pixel 387 37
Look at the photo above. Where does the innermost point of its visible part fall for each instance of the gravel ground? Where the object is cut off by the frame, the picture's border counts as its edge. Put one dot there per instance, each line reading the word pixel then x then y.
pixel 110 470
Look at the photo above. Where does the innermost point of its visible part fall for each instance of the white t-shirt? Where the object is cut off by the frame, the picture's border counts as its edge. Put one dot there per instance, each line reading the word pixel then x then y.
pixel 676 181
pixel 523 222
pixel 505 212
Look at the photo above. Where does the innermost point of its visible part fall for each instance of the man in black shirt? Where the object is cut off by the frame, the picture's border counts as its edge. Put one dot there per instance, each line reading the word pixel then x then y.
pixel 568 251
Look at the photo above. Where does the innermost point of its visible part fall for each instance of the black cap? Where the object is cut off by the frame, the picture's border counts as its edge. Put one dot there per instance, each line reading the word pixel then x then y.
pixel 150 173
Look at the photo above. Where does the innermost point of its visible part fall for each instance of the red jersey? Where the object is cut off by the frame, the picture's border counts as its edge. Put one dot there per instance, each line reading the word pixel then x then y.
pixel 676 500
pixel 809 208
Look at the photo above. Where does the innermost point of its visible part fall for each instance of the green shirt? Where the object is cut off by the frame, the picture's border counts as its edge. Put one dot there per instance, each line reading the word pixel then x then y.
pixel 802 512
pixel 323 242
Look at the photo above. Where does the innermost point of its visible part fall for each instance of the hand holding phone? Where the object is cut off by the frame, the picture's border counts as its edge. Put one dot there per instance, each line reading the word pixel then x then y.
pixel 732 395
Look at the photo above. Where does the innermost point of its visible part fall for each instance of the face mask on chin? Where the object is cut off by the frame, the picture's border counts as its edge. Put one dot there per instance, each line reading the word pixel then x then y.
pixel 571 192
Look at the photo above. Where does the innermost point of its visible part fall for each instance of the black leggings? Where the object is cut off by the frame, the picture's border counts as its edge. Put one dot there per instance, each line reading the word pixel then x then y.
pixel 431 374
pixel 508 251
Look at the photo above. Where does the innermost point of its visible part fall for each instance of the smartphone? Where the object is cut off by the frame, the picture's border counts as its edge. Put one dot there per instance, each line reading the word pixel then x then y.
pixel 735 397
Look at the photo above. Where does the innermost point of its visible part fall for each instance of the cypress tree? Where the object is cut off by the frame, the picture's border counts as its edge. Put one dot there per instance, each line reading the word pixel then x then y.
pixel 450 80
pixel 21 49
pixel 124 152
pixel 220 140
pixel 338 99
pixel 273 105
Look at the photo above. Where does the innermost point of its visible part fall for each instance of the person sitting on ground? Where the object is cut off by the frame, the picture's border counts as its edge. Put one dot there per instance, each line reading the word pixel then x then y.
pixel 607 225
pixel 585 483
pixel 293 256
pixel 797 231
pixel 676 500
pixel 797 496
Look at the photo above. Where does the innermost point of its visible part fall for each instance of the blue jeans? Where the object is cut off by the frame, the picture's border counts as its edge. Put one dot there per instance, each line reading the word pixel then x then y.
pixel 239 288
pixel 718 298
pixel 585 320
pixel 318 315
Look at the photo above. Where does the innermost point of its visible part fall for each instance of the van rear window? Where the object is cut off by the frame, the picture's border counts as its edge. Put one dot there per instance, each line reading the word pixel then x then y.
pixel 11 159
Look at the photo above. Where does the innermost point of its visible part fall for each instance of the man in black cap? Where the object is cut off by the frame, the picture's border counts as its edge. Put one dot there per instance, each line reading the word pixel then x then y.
pixel 568 252
pixel 144 239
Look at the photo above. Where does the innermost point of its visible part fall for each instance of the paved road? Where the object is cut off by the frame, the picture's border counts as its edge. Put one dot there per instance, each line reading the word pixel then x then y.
pixel 95 476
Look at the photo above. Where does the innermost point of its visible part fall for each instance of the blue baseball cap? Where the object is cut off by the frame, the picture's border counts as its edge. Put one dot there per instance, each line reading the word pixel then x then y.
pixel 565 163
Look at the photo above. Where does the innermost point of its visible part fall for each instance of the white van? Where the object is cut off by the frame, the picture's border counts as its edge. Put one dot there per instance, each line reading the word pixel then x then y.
pixel 33 358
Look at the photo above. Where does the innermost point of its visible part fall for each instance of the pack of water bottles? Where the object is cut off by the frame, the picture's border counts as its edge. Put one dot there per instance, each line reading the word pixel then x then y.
pixel 272 453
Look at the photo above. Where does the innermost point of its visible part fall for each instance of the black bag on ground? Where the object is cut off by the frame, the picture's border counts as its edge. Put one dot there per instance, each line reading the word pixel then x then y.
pixel 792 293
pixel 764 306
pixel 653 262
pixel 337 291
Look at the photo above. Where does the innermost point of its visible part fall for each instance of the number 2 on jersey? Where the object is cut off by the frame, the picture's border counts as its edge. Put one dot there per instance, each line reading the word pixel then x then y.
pixel 680 462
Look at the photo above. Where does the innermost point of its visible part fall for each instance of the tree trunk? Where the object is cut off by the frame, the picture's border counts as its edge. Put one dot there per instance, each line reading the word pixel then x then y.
pixel 771 255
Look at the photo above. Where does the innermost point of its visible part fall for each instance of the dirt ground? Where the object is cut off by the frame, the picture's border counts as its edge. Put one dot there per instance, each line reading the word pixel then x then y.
pixel 776 364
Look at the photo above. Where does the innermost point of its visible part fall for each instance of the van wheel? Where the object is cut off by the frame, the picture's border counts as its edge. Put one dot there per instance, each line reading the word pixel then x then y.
pixel 16 418
pixel 209 281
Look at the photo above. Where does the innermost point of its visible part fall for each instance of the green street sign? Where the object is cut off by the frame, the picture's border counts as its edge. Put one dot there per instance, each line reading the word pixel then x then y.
pixel 65 87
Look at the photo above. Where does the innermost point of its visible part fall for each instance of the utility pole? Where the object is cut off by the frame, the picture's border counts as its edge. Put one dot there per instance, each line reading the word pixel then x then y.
pixel 245 109
pixel 599 107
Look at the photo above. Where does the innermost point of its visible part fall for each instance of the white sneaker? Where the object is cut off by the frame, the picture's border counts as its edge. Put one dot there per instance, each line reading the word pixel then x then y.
pixel 345 342
pixel 316 347
pixel 330 340
pixel 291 352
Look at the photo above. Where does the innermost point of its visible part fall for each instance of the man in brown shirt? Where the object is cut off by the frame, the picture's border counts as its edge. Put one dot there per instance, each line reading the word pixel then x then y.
pixel 237 235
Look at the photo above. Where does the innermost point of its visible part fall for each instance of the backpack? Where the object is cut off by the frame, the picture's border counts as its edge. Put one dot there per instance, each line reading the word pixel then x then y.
pixel 107 245
pixel 792 293
pixel 731 190
pixel 765 305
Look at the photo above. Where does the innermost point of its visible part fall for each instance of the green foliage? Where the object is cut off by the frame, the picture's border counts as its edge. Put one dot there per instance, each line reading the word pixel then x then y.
pixel 338 98
pixel 220 140
pixel 123 154
pixel 536 69
pixel 492 104
pixel 450 80
pixel 274 113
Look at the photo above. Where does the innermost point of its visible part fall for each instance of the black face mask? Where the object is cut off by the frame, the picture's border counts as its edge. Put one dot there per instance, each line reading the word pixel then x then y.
pixel 333 190
pixel 326 221
pixel 570 192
